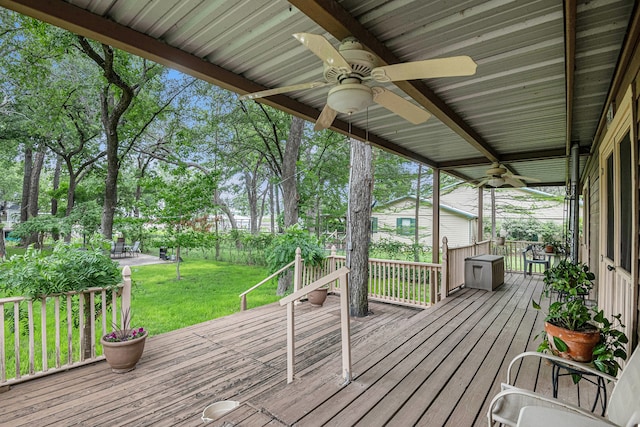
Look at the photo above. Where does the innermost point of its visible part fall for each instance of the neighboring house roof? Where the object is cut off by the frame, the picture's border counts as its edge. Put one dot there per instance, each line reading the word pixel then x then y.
pixel 510 202
pixel 443 207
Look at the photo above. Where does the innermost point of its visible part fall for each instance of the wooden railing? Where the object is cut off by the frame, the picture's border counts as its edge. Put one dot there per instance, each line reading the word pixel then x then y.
pixel 295 263
pixel 57 332
pixel 409 283
pixel 453 261
pixel 399 282
pixel 513 260
pixel 339 275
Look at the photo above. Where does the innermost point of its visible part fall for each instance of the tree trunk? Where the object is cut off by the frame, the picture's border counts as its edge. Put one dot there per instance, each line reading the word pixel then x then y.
pixel 111 184
pixel 252 200
pixel 358 226
pixel 56 184
pixel 34 186
pixel 26 182
pixel 3 249
pixel 272 211
pixel 54 200
pixel 34 192
pixel 289 181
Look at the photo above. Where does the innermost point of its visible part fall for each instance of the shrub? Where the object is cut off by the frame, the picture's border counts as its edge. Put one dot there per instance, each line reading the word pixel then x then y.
pixel 67 268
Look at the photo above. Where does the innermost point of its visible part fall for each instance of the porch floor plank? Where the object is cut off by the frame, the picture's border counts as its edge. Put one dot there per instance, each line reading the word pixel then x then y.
pixel 438 366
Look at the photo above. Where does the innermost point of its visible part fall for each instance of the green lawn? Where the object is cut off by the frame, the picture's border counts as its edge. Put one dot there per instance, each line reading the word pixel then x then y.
pixel 207 290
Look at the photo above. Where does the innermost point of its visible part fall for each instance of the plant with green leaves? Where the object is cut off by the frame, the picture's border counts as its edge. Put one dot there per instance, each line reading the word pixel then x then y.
pixel 283 250
pixel 568 279
pixel 572 312
pixel 67 268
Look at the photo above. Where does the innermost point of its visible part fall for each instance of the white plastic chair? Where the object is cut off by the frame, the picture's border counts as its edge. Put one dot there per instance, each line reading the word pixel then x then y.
pixel 623 408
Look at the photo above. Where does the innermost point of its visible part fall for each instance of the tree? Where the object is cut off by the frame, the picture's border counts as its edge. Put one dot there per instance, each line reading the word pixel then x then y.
pixel 359 226
pixel 183 196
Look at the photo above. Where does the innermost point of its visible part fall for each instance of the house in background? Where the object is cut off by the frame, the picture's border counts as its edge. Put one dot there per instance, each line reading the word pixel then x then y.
pixel 396 221
pixel 510 203
pixel 9 216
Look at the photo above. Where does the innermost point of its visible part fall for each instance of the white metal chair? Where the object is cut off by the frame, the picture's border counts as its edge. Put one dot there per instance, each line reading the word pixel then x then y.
pixel 623 408
pixel 135 249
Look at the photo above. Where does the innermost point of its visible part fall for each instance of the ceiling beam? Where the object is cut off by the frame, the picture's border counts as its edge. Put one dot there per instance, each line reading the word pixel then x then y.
pixel 82 22
pixel 520 156
pixel 336 20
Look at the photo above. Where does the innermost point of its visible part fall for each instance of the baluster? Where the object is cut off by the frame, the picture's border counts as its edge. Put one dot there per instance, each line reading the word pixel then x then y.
pixel 43 333
pixel 56 310
pixel 32 341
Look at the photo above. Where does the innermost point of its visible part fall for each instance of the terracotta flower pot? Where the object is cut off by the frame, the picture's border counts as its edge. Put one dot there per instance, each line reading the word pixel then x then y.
pixel 580 343
pixel 123 356
pixel 317 297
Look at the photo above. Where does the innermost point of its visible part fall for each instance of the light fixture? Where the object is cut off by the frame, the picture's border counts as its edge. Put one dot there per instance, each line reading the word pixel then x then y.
pixel 349 98
pixel 496 181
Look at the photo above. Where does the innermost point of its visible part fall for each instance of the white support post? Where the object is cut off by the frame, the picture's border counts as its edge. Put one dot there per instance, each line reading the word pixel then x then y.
pixel 435 219
pixel 125 304
pixel 345 328
pixel 291 346
pixel 297 270
pixel 444 292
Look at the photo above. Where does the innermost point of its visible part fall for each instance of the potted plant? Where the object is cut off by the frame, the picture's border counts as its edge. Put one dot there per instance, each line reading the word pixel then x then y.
pixel 123 346
pixel 575 329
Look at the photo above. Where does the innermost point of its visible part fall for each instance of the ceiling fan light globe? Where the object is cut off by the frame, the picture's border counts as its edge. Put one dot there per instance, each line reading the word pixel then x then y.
pixel 350 98
pixel 496 181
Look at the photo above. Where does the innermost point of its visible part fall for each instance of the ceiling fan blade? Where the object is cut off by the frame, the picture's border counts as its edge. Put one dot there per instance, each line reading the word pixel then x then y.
pixel 427 69
pixel 514 182
pixel 525 178
pixel 482 183
pixel 400 106
pixel 326 117
pixel 278 90
pixel 323 50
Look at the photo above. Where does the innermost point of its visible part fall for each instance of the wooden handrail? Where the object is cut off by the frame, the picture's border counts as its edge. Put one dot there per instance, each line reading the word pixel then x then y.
pixel 243 296
pixel 345 328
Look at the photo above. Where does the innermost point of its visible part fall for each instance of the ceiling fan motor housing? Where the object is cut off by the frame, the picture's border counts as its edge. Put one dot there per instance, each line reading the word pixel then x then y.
pixel 360 60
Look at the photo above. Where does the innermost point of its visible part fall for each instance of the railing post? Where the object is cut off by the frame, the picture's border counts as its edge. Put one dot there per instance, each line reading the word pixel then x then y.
pixel 125 304
pixel 243 303
pixel 345 328
pixel 444 291
pixel 291 345
pixel 297 270
pixel 332 266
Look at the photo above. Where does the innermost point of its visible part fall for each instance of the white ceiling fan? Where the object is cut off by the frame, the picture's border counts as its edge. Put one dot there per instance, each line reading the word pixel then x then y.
pixel 350 67
pixel 498 175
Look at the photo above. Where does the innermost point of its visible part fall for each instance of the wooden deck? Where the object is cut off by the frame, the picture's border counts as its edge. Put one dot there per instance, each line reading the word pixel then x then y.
pixel 434 367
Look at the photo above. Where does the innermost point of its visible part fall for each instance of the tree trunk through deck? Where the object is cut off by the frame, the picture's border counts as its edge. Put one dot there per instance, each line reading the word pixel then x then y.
pixel 289 186
pixel 359 226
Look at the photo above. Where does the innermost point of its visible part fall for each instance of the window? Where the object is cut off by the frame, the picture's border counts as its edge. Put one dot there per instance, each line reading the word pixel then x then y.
pixel 374 224
pixel 611 224
pixel 626 212
pixel 405 226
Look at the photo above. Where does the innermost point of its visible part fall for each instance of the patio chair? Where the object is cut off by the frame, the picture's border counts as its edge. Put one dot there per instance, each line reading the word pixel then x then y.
pixel 533 254
pixel 623 407
pixel 135 249
pixel 118 249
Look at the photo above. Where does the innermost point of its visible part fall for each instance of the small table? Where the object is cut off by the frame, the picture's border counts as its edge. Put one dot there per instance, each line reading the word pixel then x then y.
pixel 598 381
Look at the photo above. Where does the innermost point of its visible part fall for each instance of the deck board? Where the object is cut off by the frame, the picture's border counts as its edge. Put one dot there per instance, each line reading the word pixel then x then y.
pixel 438 366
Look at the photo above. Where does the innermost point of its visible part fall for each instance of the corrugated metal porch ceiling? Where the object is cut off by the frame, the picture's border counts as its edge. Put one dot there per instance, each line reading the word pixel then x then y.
pixel 514 109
